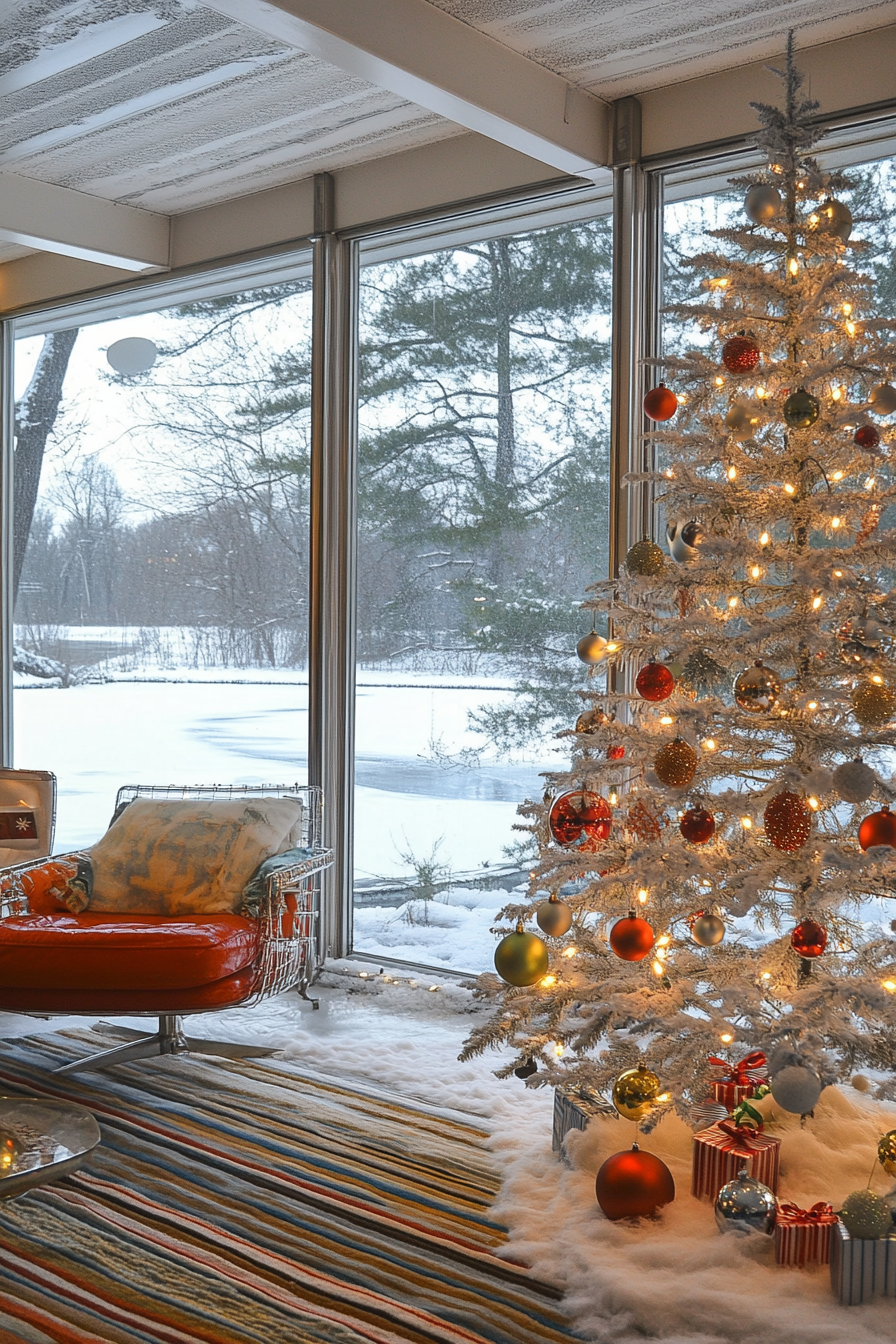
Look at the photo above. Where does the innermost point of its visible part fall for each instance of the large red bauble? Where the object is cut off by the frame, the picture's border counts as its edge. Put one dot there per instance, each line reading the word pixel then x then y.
pixel 632 938
pixel 654 682
pixel 866 436
pixel 878 829
pixel 740 354
pixel 633 1184
pixel 697 826
pixel 788 822
pixel 660 403
pixel 809 939
pixel 580 820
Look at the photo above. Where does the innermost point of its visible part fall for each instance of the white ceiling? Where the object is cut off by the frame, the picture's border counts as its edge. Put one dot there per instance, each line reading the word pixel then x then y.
pixel 618 47
pixel 170 105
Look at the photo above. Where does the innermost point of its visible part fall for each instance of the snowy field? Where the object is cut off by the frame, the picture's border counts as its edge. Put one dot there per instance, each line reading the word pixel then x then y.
pixel 225 727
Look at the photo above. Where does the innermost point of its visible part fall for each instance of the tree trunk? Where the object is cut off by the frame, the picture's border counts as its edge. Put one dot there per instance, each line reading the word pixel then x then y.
pixel 502 289
pixel 35 417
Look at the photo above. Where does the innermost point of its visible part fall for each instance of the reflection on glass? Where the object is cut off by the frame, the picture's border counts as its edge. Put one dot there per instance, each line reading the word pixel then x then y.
pixel 161 530
pixel 483 516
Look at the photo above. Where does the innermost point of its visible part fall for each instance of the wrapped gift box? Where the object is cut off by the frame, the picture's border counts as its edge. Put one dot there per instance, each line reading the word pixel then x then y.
pixel 733 1083
pixel 803 1236
pixel 862 1268
pixel 723 1149
pixel 572 1110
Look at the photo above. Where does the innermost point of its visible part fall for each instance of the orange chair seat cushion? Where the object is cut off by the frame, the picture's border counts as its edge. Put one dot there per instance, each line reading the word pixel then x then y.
pixel 98 952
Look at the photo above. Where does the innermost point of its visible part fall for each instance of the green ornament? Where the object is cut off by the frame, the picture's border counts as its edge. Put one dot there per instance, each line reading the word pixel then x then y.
pixel 645 559
pixel 801 409
pixel 865 1215
pixel 521 958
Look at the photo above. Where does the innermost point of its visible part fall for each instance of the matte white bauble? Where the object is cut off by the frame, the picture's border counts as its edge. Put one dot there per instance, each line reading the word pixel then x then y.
pixel 854 781
pixel 796 1089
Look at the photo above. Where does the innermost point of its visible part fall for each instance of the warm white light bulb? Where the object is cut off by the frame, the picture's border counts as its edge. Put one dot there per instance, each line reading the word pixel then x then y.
pixel 835 523
pixel 709 744
pixel 789 489
pixel 755 572
pixel 732 473
pixel 764 539
pixel 747 823
pixel 816 602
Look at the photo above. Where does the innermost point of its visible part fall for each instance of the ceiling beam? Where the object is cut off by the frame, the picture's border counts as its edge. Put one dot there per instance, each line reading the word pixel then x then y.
pixel 423 54
pixel 97 39
pixel 57 219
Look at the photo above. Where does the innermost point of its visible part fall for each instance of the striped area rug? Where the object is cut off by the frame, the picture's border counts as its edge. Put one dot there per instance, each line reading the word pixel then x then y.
pixel 243 1201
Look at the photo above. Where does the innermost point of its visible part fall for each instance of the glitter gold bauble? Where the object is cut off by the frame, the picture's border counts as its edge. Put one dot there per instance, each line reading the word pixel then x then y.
pixel 645 559
pixel 553 917
pixel 873 704
pixel 635 1092
pixel 633 1185
pixel 660 403
pixel 591 648
pixel 675 764
pixel 740 354
pixel 762 203
pixel 521 958
pixel 707 929
pixel 580 820
pixel 865 1215
pixel 886 1152
pixel 788 821
pixel 654 682
pixel 757 688
pixel 809 939
pixel 632 938
pixel 878 829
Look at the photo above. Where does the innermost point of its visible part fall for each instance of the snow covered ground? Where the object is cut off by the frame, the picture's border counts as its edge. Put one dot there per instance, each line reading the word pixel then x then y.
pixel 178 725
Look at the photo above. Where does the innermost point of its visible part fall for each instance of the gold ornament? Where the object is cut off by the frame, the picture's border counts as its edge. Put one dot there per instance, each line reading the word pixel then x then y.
pixel 707 929
pixel 886 1152
pixel 873 704
pixel 645 559
pixel 757 688
pixel 635 1092
pixel 553 917
pixel 521 958
pixel 675 764
pixel 591 648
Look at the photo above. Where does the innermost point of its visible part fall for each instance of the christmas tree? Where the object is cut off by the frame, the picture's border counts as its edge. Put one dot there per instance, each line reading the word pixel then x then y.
pixel 715 868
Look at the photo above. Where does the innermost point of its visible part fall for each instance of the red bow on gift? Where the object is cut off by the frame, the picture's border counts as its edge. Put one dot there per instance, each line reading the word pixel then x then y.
pixel 819 1213
pixel 753 1068
pixel 743 1136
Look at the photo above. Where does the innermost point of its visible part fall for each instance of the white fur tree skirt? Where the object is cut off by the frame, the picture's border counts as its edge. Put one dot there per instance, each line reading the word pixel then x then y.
pixel 677 1278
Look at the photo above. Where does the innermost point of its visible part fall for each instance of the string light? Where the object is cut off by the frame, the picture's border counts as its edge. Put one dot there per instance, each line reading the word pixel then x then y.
pixel 720 382
pixel 658 968
pixel 761 393
pixel 664 940
pixel 549 980
pixel 614 797
pixel 664 1096
pixel 766 975
pixel 726 1038
pixel 558 1049
pixel 789 489
pixel 661 954
pixel 816 602
pixel 569 951
pixel 813 704
pixel 669 473
pixel 612 648
pixel 890 986
pixel 793 266
pixel 667 719
pixel 813 803
pixel 847 309
pixel 747 823
pixel 642 895
pixel 851 328
pixel 836 394
pixel 764 539
pixel 836 475
pixel 708 744
pixel 837 573
pixel 835 523
pixel 878 681
pixel 732 602
pixel 755 572
pixel 870 483
pixel 732 473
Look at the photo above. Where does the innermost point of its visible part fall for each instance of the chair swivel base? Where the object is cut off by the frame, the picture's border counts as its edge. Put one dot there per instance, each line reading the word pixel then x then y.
pixel 168 1040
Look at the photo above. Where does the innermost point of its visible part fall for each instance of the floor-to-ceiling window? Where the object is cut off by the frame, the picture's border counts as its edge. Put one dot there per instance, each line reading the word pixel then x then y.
pixel 483 515
pixel 161 534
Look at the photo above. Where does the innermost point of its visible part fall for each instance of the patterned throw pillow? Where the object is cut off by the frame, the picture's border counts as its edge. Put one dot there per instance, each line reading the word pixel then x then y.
pixel 184 857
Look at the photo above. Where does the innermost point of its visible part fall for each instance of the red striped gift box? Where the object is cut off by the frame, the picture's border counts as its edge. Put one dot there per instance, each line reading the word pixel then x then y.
pixel 734 1083
pixel 803 1236
pixel 723 1149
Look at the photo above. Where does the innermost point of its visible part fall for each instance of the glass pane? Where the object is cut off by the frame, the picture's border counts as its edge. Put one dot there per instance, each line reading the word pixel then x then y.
pixel 483 515
pixel 161 478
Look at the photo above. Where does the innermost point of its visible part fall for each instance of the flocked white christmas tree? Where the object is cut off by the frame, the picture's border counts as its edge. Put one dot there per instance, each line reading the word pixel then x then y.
pixel 749 681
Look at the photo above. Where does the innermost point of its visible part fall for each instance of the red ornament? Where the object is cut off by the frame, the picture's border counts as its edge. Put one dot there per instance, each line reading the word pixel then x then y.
pixel 878 829
pixel 788 822
pixel 697 826
pixel 654 682
pixel 615 753
pixel 740 354
pixel 632 938
pixel 866 436
pixel 580 820
pixel 809 939
pixel 660 403
pixel 633 1184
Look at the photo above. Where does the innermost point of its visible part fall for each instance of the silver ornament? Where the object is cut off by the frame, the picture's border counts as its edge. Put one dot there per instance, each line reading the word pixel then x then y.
pixel 757 688
pixel 762 203
pixel 707 930
pixel 883 399
pixel 860 639
pixel 740 422
pixel 591 648
pixel 684 538
pixel 854 781
pixel 866 1215
pixel 796 1089
pixel 833 217
pixel 745 1205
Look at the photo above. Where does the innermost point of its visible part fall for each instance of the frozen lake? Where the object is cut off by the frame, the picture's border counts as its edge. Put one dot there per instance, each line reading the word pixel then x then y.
pixel 96 738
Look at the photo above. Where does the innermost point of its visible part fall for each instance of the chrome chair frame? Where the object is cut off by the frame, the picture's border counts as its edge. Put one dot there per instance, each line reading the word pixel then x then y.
pixel 283 962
